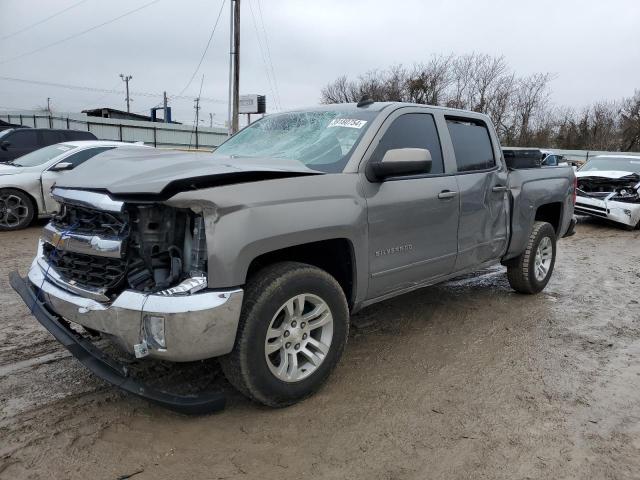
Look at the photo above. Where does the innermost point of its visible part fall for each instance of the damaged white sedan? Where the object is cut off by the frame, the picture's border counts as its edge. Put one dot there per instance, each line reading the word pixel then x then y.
pixel 609 187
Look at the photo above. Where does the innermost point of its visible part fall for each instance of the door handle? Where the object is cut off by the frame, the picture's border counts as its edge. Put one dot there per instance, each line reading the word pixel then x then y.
pixel 446 194
pixel 499 188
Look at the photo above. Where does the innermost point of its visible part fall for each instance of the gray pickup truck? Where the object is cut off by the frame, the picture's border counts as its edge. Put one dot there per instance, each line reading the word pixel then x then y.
pixel 258 253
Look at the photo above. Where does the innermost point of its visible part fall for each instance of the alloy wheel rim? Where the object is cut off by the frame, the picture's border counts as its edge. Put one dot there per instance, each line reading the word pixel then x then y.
pixel 12 210
pixel 542 261
pixel 299 337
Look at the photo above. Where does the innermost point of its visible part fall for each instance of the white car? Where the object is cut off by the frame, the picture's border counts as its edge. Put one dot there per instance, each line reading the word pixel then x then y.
pixel 25 182
pixel 609 187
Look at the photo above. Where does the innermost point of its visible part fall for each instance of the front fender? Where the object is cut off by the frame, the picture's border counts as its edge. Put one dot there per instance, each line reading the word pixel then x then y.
pixel 245 221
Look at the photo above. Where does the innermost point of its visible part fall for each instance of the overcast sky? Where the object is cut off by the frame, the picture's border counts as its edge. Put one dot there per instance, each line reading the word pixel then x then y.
pixel 593 47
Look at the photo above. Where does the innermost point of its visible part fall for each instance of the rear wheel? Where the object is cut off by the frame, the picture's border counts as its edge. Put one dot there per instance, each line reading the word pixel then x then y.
pixel 531 271
pixel 292 332
pixel 16 209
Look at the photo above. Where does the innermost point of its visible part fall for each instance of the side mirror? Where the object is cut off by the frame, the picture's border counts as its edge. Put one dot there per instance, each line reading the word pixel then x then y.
pixel 61 166
pixel 4 144
pixel 402 161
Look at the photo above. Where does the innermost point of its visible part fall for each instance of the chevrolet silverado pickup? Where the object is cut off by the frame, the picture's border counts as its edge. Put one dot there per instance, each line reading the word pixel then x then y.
pixel 259 253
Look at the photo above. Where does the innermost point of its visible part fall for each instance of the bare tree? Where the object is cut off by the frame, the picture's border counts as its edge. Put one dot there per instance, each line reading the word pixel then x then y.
pixel 428 83
pixel 630 123
pixel 518 106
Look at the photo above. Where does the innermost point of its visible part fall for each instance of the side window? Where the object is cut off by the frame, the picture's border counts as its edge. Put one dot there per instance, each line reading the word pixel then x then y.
pixel 471 144
pixel 49 137
pixel 412 130
pixel 81 157
pixel 23 139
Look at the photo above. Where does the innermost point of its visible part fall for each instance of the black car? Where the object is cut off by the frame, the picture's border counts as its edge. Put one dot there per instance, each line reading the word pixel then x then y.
pixel 17 142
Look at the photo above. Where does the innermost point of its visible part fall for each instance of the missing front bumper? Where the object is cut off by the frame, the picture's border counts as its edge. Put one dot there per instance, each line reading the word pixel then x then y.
pixel 105 367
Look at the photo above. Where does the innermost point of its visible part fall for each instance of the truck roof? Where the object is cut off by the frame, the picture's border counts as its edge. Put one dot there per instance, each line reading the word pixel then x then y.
pixel 379 106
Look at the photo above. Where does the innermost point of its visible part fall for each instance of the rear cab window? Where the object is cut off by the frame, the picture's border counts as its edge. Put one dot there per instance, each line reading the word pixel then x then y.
pixel 471 144
pixel 412 130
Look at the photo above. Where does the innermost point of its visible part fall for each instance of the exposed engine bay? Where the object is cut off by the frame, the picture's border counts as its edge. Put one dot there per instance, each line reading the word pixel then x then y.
pixel 614 196
pixel 163 249
pixel 622 189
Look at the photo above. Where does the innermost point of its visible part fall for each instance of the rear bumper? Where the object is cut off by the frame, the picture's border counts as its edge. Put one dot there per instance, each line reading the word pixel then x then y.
pixel 620 212
pixel 104 367
pixel 197 326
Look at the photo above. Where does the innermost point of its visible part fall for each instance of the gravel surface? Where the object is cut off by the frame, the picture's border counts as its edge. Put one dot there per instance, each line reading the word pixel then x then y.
pixel 463 380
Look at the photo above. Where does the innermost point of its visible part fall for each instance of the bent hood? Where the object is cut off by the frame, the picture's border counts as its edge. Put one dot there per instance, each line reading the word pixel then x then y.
pixel 162 174
pixel 613 174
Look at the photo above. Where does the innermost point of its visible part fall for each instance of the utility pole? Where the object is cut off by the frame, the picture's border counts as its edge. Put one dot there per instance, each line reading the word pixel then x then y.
pixel 197 107
pixel 125 79
pixel 234 66
pixel 164 103
pixel 49 105
pixel 210 120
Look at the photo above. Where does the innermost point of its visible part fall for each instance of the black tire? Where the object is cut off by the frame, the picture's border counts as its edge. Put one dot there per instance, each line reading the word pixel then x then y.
pixel 27 210
pixel 266 292
pixel 521 270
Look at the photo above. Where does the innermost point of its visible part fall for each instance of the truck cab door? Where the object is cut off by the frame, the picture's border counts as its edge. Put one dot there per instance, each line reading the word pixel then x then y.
pixel 51 175
pixel 484 196
pixel 413 220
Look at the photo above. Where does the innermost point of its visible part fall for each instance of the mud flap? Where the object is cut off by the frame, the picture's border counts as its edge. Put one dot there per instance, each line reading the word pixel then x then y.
pixel 107 368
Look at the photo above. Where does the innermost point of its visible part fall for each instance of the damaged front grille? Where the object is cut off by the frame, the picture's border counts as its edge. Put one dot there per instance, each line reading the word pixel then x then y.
pixel 86 270
pixel 86 220
pixel 146 247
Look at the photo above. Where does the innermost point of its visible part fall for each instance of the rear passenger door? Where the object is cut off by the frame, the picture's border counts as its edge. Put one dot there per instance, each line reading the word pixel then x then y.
pixel 413 220
pixel 484 202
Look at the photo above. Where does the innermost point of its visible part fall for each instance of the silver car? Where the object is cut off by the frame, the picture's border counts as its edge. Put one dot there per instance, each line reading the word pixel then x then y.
pixel 25 182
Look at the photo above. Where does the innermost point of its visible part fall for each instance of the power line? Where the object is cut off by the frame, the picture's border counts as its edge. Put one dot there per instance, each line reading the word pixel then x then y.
pixel 213 30
pixel 102 90
pixel 70 37
pixel 206 48
pixel 40 22
pixel 262 54
pixel 266 41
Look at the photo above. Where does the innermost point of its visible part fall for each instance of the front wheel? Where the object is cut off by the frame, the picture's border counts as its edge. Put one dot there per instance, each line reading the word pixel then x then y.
pixel 292 332
pixel 16 209
pixel 531 271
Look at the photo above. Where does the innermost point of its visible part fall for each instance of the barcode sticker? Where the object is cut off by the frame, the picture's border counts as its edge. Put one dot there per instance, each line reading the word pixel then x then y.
pixel 347 122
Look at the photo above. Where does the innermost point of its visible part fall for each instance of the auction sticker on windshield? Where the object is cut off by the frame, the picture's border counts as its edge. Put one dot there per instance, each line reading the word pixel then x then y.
pixel 347 122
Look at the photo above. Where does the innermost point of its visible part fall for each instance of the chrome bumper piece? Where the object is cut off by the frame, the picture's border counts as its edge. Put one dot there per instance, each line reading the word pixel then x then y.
pixel 197 326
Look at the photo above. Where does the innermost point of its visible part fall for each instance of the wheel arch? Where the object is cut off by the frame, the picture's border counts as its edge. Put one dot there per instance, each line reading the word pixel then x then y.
pixel 550 213
pixel 336 256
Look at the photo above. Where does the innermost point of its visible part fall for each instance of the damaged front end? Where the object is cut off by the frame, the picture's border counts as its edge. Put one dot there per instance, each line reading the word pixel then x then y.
pixel 615 198
pixel 137 274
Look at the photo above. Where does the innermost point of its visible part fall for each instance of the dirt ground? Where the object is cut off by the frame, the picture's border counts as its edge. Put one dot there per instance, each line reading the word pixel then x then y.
pixel 463 380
